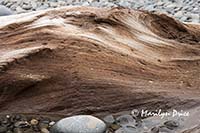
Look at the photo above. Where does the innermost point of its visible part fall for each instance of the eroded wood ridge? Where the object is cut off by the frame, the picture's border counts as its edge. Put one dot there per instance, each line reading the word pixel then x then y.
pixel 97 61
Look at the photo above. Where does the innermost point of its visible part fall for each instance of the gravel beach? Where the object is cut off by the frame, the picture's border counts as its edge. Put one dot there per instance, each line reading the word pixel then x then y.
pixel 183 10
pixel 99 70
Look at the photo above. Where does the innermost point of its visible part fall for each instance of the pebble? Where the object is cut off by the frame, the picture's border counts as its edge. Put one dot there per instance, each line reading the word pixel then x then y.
pixel 34 122
pixel 4 11
pixel 179 14
pixel 127 129
pixel 27 7
pixel 53 4
pixel 18 130
pixel 165 130
pixel 18 117
pixel 155 130
pixel 109 119
pixel 21 124
pixel 20 10
pixel 195 17
pixel 8 116
pixel 34 5
pixel 51 123
pixel 184 18
pixel 125 120
pixel 3 129
pixel 44 130
pixel 114 126
pixel 79 123
pixel 171 124
pixel 43 125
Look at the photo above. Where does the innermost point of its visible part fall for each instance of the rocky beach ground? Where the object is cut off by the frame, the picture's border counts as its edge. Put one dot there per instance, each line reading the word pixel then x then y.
pixel 22 123
pixel 136 79
pixel 183 10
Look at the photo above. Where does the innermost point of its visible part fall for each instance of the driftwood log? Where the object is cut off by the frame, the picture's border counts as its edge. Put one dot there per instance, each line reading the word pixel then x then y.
pixel 79 60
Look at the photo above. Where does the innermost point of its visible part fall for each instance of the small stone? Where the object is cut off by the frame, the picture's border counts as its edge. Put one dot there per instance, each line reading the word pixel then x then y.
pixel 3 129
pixel 160 3
pixel 186 7
pixel 120 130
pixel 184 18
pixel 29 130
pixel 171 6
pixel 114 126
pixel 179 14
pixel 85 4
pixel 4 11
pixel 124 3
pixel 8 116
pixel 130 129
pixel 10 127
pixel 21 124
pixel 53 4
pixel 165 130
pixel 109 131
pixel 20 10
pixel 35 128
pixel 125 119
pixel 79 123
pixel 150 81
pixel 27 7
pixel 51 123
pixel 18 130
pixel 109 119
pixel 196 9
pixel 45 120
pixel 44 130
pixel 34 122
pixel 43 125
pixel 17 117
pixel 33 4
pixel 155 130
pixel 127 129
pixel 90 1
pixel 9 5
pixel 195 16
pixel 42 7
pixel 5 122
pixel 171 124
pixel 149 7
pixel 61 3
pixel 12 119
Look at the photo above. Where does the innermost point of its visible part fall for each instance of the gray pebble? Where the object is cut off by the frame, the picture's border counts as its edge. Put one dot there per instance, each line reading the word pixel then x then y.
pixel 27 7
pixel 4 11
pixel 179 14
pixel 80 123
pixel 21 124
pixel 20 10
pixel 125 120
pixel 171 124
pixel 109 119
pixel 155 130
pixel 165 130
pixel 3 129
pixel 127 129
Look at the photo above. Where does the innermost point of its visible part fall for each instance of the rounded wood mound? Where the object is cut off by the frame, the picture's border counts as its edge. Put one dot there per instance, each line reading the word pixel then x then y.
pixel 84 60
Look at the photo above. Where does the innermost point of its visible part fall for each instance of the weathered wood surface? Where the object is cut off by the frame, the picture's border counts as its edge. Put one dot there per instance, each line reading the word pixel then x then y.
pixel 80 60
